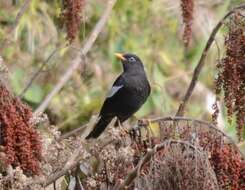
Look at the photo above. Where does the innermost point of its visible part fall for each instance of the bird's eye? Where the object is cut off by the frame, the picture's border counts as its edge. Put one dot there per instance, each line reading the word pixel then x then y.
pixel 132 59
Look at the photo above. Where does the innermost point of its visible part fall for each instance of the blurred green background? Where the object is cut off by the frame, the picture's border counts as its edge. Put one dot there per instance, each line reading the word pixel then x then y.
pixel 151 29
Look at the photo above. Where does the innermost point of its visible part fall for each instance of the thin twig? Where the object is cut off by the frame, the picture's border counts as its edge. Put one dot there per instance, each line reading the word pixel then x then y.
pixel 35 75
pixel 57 175
pixel 20 13
pixel 74 132
pixel 54 185
pixel 76 62
pixel 201 62
pixel 106 174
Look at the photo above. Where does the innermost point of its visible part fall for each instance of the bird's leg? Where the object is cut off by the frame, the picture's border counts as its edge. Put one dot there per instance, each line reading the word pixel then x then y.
pixel 122 129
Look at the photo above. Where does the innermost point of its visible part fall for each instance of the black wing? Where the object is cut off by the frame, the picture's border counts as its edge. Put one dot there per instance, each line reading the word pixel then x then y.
pixel 108 105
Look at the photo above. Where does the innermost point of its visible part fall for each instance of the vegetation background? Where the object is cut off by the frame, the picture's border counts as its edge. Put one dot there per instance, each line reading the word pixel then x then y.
pixel 151 29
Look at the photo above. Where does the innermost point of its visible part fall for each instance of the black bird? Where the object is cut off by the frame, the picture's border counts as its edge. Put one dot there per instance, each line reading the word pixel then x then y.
pixel 128 93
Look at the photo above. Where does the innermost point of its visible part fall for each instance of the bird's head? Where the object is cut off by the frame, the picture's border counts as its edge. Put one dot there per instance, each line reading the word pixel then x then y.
pixel 129 61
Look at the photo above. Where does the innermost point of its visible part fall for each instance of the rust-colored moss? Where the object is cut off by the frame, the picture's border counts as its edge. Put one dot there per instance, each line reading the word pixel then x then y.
pixel 71 16
pixel 21 142
pixel 226 163
pixel 231 72
pixel 187 7
pixel 242 176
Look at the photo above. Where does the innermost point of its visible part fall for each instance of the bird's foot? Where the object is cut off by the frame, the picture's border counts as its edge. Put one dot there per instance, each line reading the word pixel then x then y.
pixel 124 131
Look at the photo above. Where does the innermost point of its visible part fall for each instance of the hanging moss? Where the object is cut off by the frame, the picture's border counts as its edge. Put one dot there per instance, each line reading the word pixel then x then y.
pixel 71 16
pixel 187 7
pixel 231 72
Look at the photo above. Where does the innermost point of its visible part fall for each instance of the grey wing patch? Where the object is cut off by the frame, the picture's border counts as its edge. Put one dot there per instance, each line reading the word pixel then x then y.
pixel 114 90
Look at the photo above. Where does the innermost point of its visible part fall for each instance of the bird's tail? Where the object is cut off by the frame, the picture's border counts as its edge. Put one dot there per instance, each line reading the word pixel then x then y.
pixel 99 127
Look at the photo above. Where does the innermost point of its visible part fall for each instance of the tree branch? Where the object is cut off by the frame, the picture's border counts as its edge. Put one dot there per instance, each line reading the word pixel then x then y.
pixel 76 62
pixel 201 62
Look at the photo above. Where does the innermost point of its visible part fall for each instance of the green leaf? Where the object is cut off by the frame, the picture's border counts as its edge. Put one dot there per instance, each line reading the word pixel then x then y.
pixel 16 79
pixel 34 94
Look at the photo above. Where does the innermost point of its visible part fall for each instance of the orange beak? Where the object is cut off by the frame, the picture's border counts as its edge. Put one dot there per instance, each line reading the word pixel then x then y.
pixel 120 56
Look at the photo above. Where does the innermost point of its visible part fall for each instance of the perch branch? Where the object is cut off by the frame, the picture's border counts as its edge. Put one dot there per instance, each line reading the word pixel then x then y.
pixel 77 131
pixel 76 62
pixel 133 173
pixel 201 62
